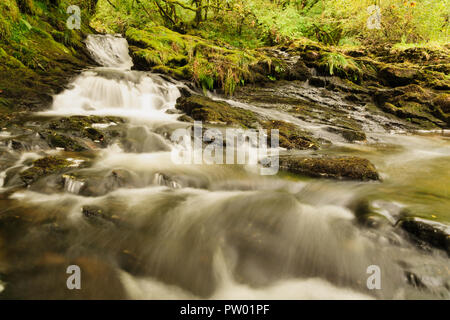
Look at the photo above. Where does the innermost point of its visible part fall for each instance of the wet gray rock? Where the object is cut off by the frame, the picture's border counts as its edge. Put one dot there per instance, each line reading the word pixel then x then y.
pixel 432 233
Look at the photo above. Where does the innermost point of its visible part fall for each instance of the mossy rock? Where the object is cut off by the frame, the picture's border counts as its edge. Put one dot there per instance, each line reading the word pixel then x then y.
pixel 395 76
pixel 414 112
pixel 38 54
pixel 56 140
pixel 81 126
pixel 414 103
pixel 352 168
pixel 202 108
pixel 349 134
pixel 43 167
pixel 189 57
pixel 290 136
pixel 442 102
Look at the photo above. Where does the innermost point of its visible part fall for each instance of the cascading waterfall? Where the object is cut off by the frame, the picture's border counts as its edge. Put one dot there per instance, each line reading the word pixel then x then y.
pixel 209 231
pixel 109 51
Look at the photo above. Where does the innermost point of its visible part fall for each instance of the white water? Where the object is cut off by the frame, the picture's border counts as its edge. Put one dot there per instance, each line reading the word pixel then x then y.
pixel 109 51
pixel 208 231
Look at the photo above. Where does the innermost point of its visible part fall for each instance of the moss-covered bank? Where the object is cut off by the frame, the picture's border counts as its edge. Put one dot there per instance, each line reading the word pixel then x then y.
pixel 38 52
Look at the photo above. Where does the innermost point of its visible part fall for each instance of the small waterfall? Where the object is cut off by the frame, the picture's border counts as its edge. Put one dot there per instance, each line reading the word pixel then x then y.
pixel 2 178
pixel 109 51
pixel 114 89
pixel 72 185
pixel 163 180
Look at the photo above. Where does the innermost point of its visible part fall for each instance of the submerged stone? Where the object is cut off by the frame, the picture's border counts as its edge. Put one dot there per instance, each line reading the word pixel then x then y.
pixel 352 168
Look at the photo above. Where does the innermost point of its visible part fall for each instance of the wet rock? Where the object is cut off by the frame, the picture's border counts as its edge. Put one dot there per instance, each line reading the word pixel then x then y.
pixel 43 167
pixel 443 102
pixel 414 280
pixel 56 140
pixel 7 159
pixel 185 118
pixel 311 55
pixel 442 107
pixel 42 278
pixel 431 232
pixel 99 216
pixel 96 183
pixel 140 139
pixel 205 109
pixel 395 77
pixel 349 134
pixel 297 71
pixel 352 168
pixel 374 214
pixel 95 128
pixel 411 102
pixel 290 136
pixel 319 82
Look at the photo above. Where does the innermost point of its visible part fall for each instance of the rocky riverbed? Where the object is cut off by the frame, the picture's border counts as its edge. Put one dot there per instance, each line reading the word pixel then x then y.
pixel 88 180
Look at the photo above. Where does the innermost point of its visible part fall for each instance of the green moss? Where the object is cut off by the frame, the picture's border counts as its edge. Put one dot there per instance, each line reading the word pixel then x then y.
pixel 26 6
pixel 208 65
pixel 43 167
pixel 338 64
pixel 9 61
pixel 353 168
pixel 442 102
pixel 290 136
pixel 57 140
pixel 37 51
pixel 205 109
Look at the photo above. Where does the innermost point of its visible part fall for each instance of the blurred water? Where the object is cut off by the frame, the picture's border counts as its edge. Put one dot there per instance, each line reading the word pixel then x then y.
pixel 213 231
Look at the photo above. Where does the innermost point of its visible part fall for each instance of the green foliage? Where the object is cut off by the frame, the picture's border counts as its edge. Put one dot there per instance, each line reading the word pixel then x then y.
pixel 255 23
pixel 186 56
pixel 338 64
pixel 401 20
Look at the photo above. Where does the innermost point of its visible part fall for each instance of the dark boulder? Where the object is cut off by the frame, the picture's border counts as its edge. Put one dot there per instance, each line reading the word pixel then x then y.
pixel 432 233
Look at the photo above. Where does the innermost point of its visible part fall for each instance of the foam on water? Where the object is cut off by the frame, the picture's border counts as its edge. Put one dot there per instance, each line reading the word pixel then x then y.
pixel 114 89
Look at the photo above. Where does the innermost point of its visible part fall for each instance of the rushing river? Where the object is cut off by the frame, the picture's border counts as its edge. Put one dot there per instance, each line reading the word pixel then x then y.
pixel 216 231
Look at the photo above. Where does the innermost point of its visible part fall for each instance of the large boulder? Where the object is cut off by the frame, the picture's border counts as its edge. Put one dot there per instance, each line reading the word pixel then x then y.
pixel 352 168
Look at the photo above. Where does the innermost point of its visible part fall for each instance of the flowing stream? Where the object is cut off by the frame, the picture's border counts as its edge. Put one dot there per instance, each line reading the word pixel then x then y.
pixel 217 231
